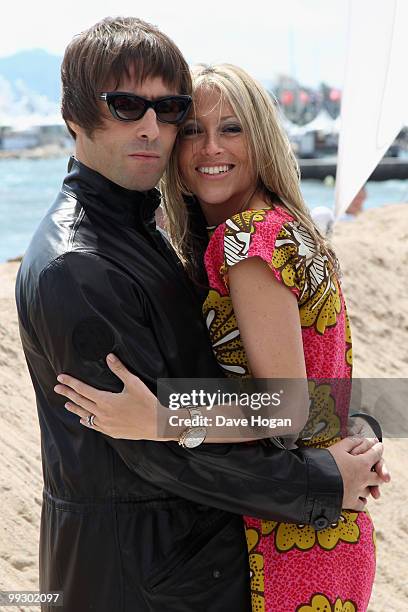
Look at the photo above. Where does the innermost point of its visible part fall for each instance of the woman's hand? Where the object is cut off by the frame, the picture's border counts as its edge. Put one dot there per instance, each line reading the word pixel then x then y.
pixel 131 414
pixel 365 439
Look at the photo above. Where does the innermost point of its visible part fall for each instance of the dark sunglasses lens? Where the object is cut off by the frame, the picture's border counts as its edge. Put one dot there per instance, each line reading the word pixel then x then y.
pixel 172 110
pixel 128 108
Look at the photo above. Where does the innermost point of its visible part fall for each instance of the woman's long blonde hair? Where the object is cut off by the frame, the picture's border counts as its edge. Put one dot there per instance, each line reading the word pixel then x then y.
pixel 269 149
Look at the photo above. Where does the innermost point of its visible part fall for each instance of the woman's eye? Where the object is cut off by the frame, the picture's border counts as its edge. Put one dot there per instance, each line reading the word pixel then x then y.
pixel 232 129
pixel 189 131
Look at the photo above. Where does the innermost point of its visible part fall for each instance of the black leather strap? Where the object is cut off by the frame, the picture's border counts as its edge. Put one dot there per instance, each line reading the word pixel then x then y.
pixel 372 421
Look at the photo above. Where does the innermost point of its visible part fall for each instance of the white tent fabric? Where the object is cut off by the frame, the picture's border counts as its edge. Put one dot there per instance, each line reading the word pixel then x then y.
pixel 375 92
pixel 290 128
pixel 323 122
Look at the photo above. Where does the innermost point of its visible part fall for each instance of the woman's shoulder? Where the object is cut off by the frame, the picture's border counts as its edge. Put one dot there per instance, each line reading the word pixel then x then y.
pixel 272 215
pixel 253 220
pixel 252 232
pixel 257 226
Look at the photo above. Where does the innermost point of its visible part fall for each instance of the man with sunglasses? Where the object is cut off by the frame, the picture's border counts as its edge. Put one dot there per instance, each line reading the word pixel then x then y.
pixel 136 525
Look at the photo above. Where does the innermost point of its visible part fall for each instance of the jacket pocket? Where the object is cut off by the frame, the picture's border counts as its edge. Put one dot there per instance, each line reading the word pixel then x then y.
pixel 200 557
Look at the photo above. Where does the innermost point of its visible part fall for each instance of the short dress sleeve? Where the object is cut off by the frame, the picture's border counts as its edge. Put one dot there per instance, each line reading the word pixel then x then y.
pixel 290 252
pixel 271 235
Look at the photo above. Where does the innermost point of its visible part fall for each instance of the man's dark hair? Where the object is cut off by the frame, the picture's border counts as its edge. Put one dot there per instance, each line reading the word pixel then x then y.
pixel 104 54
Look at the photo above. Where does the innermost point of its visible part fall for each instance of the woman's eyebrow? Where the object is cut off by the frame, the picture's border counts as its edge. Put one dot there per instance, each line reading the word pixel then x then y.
pixel 197 119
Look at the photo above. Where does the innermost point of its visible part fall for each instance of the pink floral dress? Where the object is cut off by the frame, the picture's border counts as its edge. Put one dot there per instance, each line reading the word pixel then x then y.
pixel 293 567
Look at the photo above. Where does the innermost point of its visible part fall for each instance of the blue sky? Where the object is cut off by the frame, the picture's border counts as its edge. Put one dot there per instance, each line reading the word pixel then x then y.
pixel 306 38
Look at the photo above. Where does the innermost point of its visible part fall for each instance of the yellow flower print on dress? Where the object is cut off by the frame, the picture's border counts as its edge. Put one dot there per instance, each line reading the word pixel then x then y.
pixel 320 603
pixel 323 425
pixel 290 535
pixel 304 537
pixel 344 530
pixel 300 266
pixel 224 333
pixel 268 527
pixel 256 567
pixel 347 606
pixel 252 538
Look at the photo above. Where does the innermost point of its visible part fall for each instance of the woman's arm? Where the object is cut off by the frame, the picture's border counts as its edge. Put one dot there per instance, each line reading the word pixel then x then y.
pixel 268 319
pixel 267 315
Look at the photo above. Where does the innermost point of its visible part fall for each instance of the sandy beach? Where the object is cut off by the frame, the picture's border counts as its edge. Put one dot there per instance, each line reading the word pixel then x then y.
pixel 373 253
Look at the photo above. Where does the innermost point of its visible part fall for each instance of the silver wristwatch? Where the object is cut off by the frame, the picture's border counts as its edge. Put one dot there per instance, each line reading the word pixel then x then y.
pixel 193 436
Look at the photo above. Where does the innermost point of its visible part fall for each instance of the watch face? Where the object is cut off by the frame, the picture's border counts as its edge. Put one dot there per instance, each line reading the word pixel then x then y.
pixel 195 437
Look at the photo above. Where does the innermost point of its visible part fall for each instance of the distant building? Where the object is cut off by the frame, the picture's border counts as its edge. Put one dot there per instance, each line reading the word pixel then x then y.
pixel 16 140
pixel 33 131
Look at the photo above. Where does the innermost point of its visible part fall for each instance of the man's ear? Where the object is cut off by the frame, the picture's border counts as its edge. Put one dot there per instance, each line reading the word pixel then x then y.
pixel 74 127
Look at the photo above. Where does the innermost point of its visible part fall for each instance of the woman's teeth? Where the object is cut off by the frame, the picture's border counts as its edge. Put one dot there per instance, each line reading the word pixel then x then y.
pixel 214 169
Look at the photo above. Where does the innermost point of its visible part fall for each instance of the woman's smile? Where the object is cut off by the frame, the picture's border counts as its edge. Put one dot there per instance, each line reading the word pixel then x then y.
pixel 214 171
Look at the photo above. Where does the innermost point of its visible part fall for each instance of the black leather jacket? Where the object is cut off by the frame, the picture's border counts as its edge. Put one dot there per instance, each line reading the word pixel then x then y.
pixel 134 526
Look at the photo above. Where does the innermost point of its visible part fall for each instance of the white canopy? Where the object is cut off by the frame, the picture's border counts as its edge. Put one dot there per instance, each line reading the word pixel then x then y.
pixel 290 128
pixel 323 122
pixel 375 92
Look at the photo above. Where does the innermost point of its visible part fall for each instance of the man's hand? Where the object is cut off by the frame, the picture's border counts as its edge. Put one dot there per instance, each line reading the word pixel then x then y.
pixel 356 472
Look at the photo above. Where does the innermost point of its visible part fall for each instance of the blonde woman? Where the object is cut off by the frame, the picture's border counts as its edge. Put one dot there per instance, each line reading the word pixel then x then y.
pixel 266 258
pixel 274 309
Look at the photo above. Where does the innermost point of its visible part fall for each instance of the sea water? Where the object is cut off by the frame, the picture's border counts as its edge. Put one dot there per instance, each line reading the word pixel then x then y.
pixel 29 186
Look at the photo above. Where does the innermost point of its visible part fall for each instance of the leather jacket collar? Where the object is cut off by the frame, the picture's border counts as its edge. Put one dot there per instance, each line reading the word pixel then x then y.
pixel 99 196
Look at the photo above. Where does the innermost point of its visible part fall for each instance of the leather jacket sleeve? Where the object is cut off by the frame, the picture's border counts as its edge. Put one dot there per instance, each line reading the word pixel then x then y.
pixel 85 308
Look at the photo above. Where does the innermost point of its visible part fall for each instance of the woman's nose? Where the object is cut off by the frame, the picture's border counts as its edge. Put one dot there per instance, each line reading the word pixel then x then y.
pixel 212 145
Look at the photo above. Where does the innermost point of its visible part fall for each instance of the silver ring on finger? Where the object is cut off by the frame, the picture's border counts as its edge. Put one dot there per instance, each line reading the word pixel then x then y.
pixel 91 420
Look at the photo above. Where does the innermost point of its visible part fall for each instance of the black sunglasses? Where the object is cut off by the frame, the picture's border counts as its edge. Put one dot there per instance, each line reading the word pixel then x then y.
pixel 129 107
